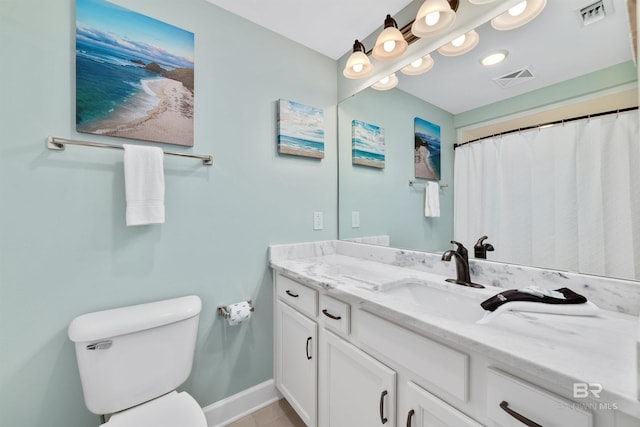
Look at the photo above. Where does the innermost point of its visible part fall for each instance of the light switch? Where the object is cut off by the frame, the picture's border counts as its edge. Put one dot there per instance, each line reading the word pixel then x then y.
pixel 318 221
pixel 355 219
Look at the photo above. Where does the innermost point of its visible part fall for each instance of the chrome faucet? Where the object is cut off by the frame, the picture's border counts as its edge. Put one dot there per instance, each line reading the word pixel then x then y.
pixel 462 265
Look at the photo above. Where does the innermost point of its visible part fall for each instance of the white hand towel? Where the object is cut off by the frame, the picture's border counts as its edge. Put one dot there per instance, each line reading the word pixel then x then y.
pixel 432 199
pixel 144 184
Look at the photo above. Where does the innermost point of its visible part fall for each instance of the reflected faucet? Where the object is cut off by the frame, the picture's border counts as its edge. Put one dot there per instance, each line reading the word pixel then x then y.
pixel 481 248
pixel 462 265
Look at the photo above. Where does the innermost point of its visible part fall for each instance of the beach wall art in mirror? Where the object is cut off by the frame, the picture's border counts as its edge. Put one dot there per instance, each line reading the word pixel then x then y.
pixel 300 129
pixel 368 144
pixel 134 75
pixel 427 149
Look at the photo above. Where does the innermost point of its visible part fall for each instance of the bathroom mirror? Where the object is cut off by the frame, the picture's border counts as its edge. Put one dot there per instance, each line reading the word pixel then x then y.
pixel 458 94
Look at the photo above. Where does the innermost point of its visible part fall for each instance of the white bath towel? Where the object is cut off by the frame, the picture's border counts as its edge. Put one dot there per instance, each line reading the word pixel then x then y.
pixel 144 184
pixel 432 199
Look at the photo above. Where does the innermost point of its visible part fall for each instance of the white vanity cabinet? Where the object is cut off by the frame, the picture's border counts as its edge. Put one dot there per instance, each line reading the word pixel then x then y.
pixel 356 389
pixel 426 410
pixel 296 347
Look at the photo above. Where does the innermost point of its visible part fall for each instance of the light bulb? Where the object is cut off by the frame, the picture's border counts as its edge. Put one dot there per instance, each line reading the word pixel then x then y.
pixel 432 18
pixel 416 63
pixel 384 80
pixel 457 42
pixel 357 68
pixel 518 9
pixel 494 58
pixel 389 45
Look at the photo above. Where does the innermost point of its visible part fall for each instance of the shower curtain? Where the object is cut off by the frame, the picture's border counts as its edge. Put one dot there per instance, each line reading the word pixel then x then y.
pixel 565 197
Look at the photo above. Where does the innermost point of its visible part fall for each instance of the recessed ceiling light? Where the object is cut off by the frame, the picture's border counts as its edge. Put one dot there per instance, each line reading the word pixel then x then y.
pixel 494 58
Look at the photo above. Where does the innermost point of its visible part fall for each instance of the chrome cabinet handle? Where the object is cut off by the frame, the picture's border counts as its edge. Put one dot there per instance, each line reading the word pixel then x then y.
pixel 330 316
pixel 291 294
pixel 409 416
pixel 383 419
pixel 308 355
pixel 504 405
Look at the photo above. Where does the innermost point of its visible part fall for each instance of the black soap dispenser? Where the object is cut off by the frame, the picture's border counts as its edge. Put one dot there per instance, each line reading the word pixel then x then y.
pixel 480 249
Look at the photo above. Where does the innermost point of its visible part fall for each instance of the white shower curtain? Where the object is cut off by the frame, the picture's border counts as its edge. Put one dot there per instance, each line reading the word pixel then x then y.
pixel 565 197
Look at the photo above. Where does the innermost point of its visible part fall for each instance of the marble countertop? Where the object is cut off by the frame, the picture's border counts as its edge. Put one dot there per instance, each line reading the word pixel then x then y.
pixel 556 349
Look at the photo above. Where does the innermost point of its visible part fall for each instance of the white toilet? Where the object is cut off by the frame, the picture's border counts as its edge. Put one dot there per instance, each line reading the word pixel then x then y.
pixel 131 360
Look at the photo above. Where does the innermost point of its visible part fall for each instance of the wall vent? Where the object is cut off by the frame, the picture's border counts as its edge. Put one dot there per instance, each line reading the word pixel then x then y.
pixel 592 13
pixel 514 78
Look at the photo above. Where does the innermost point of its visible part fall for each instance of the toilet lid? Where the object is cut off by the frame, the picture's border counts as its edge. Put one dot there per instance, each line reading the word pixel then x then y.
pixel 171 410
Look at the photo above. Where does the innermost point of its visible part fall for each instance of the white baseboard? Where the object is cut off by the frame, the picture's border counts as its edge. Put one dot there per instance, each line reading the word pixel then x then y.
pixel 226 411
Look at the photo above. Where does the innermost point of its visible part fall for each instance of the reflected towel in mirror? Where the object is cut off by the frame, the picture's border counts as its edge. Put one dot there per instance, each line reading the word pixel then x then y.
pixel 432 199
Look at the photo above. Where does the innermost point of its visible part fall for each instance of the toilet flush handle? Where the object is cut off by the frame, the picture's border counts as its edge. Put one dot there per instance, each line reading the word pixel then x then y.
pixel 102 345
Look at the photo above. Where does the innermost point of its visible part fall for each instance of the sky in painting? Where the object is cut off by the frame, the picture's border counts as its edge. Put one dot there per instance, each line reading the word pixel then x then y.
pixel 301 121
pixel 427 128
pixel 104 23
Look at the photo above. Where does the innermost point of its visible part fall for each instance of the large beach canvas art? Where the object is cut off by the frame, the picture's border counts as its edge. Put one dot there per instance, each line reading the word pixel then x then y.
pixel 427 149
pixel 134 75
pixel 300 129
pixel 368 144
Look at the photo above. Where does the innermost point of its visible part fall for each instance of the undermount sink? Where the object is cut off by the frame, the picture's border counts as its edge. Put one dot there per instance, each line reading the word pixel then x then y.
pixel 439 300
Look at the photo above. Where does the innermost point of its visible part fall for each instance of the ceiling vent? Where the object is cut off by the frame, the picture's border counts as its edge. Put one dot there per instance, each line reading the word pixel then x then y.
pixel 592 13
pixel 514 78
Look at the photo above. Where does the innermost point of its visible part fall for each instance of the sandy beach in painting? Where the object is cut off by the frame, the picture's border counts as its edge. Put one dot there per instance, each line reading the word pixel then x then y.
pixel 298 152
pixel 170 120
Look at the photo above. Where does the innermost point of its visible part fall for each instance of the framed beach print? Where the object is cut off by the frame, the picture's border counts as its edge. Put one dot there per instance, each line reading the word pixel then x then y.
pixel 427 149
pixel 134 75
pixel 368 144
pixel 300 129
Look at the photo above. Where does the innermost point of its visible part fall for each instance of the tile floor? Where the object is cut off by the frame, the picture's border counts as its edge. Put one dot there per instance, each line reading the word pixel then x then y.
pixel 278 414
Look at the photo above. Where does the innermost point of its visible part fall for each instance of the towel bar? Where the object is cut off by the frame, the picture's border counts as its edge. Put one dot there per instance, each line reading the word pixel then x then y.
pixel 54 143
pixel 413 182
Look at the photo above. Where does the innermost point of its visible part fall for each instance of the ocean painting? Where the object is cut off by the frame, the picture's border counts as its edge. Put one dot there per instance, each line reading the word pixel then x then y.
pixel 368 144
pixel 134 75
pixel 427 149
pixel 300 129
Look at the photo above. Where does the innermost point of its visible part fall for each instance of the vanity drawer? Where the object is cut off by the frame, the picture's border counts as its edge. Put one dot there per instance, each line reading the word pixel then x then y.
pixel 509 397
pixel 297 295
pixel 336 314
pixel 444 367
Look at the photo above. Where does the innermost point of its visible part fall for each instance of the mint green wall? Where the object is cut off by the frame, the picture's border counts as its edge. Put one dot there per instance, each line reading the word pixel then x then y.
pixel 64 246
pixel 386 202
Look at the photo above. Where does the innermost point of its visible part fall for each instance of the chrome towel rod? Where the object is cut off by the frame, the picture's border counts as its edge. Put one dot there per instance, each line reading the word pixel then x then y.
pixel 413 182
pixel 54 143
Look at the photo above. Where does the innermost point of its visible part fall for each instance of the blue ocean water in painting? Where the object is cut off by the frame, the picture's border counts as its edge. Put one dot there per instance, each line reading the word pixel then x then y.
pixel 367 155
pixel 106 80
pixel 301 144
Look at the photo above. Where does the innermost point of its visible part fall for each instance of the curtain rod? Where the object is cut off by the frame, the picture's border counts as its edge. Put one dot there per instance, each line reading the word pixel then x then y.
pixel 54 143
pixel 557 122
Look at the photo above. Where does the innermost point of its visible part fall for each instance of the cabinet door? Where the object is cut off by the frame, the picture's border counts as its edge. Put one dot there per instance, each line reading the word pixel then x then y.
pixel 426 410
pixel 296 361
pixel 357 389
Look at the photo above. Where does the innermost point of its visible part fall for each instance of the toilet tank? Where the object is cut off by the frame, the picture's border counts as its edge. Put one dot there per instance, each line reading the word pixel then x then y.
pixel 129 355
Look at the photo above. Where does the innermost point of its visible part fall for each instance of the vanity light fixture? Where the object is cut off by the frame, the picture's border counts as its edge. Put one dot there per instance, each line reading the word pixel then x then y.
pixel 419 66
pixel 390 43
pixel 494 58
pixel 358 64
pixel 481 1
pixel 386 83
pixel 461 44
pixel 434 16
pixel 518 15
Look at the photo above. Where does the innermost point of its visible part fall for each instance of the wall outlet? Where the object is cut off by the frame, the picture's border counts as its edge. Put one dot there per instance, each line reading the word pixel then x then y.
pixel 318 223
pixel 355 219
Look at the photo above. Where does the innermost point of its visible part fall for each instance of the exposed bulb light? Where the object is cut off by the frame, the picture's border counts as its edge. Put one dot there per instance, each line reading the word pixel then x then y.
pixel 390 43
pixel 494 58
pixel 386 83
pixel 461 44
pixel 518 15
pixel 433 17
pixel 358 65
pixel 518 9
pixel 457 42
pixel 419 66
